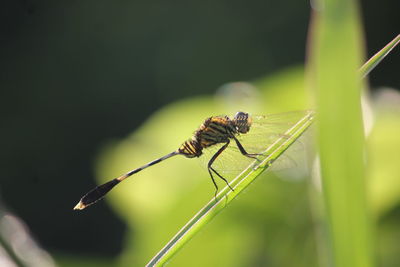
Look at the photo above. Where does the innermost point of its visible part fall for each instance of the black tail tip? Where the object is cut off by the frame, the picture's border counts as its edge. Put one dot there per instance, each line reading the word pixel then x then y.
pixel 95 194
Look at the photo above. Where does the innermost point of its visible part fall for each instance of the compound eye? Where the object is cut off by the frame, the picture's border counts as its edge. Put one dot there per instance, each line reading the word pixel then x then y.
pixel 242 122
pixel 241 115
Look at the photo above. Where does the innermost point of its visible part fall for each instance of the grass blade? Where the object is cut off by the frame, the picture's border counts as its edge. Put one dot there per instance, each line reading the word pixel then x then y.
pixel 226 195
pixel 378 57
pixel 336 55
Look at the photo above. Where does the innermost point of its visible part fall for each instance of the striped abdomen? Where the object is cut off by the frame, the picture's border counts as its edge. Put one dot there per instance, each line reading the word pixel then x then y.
pixel 191 148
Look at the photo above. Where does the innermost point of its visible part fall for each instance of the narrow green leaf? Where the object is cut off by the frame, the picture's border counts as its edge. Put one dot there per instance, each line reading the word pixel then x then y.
pixel 226 195
pixel 378 57
pixel 336 55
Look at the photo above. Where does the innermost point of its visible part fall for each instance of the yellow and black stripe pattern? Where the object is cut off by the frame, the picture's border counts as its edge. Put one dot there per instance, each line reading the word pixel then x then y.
pixel 215 130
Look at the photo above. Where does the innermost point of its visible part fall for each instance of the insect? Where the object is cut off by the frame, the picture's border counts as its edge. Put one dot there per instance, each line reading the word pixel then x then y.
pixel 214 130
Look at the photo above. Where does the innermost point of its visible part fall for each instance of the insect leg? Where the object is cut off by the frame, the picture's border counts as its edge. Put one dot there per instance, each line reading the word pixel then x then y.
pixel 243 151
pixel 211 169
pixel 215 184
pixel 220 176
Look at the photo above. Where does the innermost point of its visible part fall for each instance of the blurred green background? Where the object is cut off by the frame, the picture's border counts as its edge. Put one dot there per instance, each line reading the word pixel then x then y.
pixel 92 89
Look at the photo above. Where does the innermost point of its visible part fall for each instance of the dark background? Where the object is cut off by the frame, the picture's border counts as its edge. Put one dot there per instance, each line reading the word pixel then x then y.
pixel 75 74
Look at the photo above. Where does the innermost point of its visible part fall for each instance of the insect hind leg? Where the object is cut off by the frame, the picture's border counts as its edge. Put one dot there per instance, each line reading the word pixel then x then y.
pixel 220 176
pixel 213 180
pixel 211 169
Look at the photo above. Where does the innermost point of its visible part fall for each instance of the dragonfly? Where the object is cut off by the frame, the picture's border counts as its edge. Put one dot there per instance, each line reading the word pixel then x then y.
pixel 214 134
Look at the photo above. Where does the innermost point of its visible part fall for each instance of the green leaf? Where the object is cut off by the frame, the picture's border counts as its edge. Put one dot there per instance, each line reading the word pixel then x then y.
pixel 378 57
pixel 335 58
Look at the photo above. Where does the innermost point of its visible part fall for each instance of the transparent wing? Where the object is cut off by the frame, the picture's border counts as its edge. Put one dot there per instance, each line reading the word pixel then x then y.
pixel 265 130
